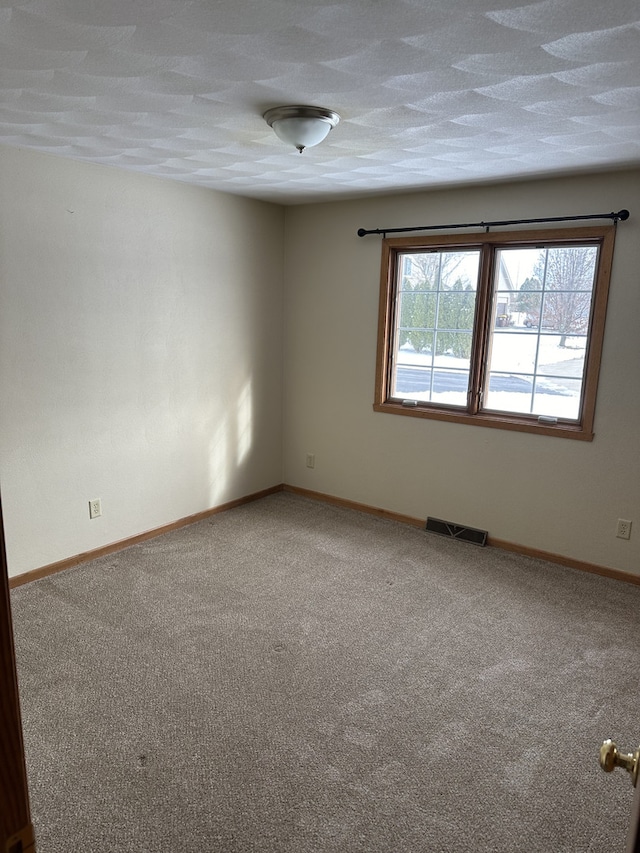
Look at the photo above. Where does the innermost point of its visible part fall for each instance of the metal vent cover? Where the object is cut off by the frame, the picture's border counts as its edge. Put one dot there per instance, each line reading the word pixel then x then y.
pixel 456 531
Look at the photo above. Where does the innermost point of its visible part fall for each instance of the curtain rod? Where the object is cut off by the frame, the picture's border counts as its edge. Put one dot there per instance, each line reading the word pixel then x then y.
pixel 620 215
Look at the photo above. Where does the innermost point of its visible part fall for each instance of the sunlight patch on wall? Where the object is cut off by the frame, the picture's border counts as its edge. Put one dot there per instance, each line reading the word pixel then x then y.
pixel 219 463
pixel 245 422
pixel 230 445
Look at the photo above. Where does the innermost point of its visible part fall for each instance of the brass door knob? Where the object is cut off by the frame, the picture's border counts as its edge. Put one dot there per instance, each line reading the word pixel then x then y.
pixel 610 758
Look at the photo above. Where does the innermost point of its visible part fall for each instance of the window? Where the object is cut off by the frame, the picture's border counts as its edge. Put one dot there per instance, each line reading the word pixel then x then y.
pixel 502 330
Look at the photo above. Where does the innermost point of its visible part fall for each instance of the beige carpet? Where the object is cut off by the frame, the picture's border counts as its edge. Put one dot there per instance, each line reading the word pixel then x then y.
pixel 291 677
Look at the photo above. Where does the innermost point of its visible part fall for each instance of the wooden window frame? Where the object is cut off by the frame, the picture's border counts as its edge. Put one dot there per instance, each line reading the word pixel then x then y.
pixel 487 244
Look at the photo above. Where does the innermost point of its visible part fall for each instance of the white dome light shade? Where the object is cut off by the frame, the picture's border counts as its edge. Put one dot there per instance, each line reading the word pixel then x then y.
pixel 301 126
pixel 302 132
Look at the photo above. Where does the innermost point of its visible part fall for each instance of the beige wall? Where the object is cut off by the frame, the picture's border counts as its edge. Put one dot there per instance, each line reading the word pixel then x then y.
pixel 552 494
pixel 140 352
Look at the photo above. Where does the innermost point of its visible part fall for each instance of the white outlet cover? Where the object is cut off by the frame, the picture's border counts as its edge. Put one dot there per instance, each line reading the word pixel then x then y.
pixel 623 530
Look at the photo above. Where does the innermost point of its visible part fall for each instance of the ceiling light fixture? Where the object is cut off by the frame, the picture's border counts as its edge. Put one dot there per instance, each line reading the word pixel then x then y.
pixel 300 125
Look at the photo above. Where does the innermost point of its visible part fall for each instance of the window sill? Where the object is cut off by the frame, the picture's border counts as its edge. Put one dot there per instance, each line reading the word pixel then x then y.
pixel 494 421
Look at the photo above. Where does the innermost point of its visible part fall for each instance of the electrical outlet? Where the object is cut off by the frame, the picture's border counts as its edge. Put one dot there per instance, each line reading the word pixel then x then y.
pixel 95 508
pixel 311 460
pixel 623 530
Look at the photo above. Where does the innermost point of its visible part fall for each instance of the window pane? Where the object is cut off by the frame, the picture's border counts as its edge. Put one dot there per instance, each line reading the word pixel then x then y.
pixel 417 312
pixel 456 310
pixel 516 270
pixel 509 392
pixel 412 381
pixel 450 387
pixel 540 320
pixel 557 399
pixel 514 351
pixel 435 312
pixel 566 311
pixel 453 349
pixel 559 357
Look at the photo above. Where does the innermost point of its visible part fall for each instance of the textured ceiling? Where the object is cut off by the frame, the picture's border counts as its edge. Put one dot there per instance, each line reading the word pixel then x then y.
pixel 431 92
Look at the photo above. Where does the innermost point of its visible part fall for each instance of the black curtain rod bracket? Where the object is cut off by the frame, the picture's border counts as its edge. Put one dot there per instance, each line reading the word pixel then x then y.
pixel 621 215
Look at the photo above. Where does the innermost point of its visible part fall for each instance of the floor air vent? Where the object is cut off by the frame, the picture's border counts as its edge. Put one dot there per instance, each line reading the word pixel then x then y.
pixel 456 531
